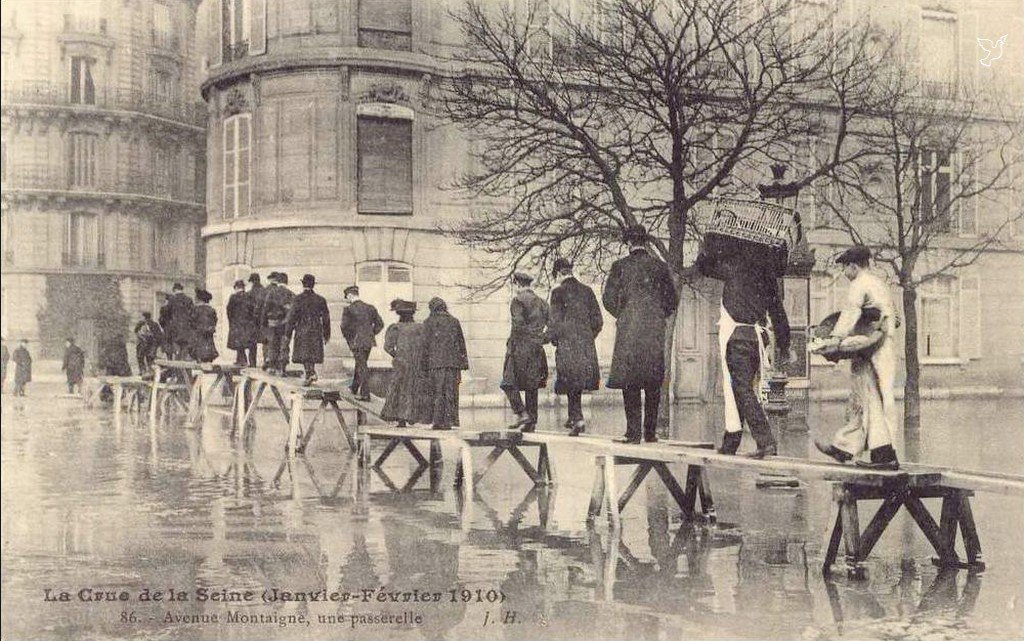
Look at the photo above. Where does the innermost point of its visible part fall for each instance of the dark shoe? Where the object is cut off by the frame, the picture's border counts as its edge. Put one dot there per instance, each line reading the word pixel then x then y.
pixel 761 452
pixel 730 442
pixel 353 389
pixel 529 427
pixel 832 451
pixel 520 421
pixel 577 428
pixel 882 458
pixel 632 440
pixel 881 465
pixel 441 427
pixel 364 398
pixel 651 438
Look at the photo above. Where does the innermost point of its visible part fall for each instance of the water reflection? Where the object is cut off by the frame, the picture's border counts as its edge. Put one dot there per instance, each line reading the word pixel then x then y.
pixel 89 502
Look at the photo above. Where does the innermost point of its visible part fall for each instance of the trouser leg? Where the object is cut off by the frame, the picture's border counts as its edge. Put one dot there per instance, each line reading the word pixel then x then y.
pixel 515 401
pixel 531 403
pixel 310 369
pixel 744 362
pixel 631 403
pixel 251 356
pixel 362 372
pixel 240 357
pixel 652 401
pixel 575 401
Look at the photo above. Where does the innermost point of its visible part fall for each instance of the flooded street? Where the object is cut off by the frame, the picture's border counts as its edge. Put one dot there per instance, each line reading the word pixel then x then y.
pixel 111 507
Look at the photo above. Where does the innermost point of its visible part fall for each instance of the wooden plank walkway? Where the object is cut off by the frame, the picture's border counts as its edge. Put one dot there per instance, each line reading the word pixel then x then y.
pixel 185 383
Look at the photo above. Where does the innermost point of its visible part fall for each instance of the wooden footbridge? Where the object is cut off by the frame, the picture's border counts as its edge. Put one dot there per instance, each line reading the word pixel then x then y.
pixel 191 384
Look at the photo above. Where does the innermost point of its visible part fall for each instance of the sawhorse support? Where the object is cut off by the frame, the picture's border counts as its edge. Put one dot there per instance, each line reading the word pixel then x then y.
pixel 955 514
pixel 163 393
pixel 605 489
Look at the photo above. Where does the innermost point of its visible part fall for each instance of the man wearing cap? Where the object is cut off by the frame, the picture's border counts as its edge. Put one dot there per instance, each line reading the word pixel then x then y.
pixel 526 365
pixel 273 316
pixel 257 293
pixel 242 326
pixel 871 409
pixel 750 297
pixel 360 324
pixel 204 325
pixel 178 323
pixel 148 337
pixel 573 325
pixel 640 294
pixel 309 321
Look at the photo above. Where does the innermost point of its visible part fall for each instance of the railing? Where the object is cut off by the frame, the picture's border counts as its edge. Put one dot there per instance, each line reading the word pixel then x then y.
pixel 68 259
pixel 84 24
pixel 44 92
pixel 44 176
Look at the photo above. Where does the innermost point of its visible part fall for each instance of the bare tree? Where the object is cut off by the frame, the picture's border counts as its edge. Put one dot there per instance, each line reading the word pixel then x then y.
pixel 638 111
pixel 931 191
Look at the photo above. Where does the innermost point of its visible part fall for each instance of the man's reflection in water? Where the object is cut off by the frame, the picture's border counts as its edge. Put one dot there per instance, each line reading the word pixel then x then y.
pixel 419 562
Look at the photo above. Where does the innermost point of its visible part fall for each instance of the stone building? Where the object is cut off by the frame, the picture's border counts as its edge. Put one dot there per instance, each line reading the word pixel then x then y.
pixel 327 154
pixel 104 164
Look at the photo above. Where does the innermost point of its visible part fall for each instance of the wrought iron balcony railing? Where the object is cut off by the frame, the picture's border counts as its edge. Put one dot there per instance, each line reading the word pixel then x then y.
pixel 43 176
pixel 44 92
pixel 84 24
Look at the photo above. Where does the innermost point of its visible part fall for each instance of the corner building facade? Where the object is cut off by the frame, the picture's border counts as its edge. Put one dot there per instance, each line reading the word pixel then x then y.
pixel 103 165
pixel 328 155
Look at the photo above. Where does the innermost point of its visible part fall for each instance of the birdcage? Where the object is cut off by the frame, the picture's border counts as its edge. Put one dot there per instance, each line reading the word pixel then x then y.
pixel 756 221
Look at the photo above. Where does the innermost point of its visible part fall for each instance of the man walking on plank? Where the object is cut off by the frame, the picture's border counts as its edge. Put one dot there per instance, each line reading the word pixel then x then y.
pixel 276 304
pixel 526 365
pixel 750 296
pixel 360 324
pixel 148 337
pixel 310 321
pixel 177 321
pixel 204 326
pixel 257 294
pixel 445 358
pixel 574 321
pixel 640 294
pixel 242 325
pixel 872 374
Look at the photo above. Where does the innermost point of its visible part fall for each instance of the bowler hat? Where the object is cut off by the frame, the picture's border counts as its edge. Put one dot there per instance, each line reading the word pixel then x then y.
pixel 282 278
pixel 520 278
pixel 204 296
pixel 635 234
pixel 273 277
pixel 239 284
pixel 308 280
pixel 561 265
pixel 254 277
pixel 351 289
pixel 176 287
pixel 858 255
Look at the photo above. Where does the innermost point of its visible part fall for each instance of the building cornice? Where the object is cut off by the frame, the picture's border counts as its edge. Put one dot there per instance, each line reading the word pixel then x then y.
pixel 110 197
pixel 99 271
pixel 26 110
pixel 306 222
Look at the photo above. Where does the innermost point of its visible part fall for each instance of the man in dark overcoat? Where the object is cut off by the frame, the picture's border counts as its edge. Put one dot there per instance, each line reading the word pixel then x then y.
pixel 445 358
pixel 242 325
pixel 526 365
pixel 574 322
pixel 309 321
pixel 148 338
pixel 5 357
pixel 257 294
pixel 178 328
pixel 360 324
pixel 273 316
pixel 22 368
pixel 73 365
pixel 640 294
pixel 204 326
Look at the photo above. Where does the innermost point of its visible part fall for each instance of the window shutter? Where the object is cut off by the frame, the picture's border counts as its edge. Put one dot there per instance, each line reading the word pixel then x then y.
pixel 386 15
pixel 970 314
pixel 215 45
pixel 258 27
pixel 385 166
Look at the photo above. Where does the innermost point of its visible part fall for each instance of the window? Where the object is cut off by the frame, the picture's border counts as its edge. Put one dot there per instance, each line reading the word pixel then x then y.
pixel 385 165
pixel 938 51
pixel 161 86
pixel 380 282
pixel 938 323
pixel 163 172
pixel 163 31
pixel 236 165
pixel 82 160
pixel 934 175
pixel 83 241
pixel 385 24
pixel 235 28
pixel 83 89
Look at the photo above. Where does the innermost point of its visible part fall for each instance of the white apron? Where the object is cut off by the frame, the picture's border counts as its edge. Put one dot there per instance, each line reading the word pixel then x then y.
pixel 726 326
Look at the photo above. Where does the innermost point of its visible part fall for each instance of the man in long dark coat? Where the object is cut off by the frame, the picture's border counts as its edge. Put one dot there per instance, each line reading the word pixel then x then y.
pixel 273 316
pixel 5 357
pixel 73 365
pixel 148 337
pixel 22 368
pixel 178 323
pixel 640 294
pixel 360 324
pixel 408 401
pixel 526 365
pixel 309 321
pixel 573 325
pixel 257 294
pixel 242 325
pixel 445 357
pixel 204 326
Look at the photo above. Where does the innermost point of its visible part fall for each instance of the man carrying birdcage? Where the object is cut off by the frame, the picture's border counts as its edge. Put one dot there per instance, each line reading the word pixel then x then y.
pixel 749 265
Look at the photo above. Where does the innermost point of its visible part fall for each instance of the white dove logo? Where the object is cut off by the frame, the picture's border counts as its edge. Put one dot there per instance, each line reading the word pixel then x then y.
pixel 993 50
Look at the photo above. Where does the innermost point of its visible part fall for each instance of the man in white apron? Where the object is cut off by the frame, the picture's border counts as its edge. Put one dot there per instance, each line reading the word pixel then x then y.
pixel 872 405
pixel 749 298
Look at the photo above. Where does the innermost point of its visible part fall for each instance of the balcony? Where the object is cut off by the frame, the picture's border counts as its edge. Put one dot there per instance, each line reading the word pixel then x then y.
pixel 45 177
pixel 44 92
pixel 81 259
pixel 84 24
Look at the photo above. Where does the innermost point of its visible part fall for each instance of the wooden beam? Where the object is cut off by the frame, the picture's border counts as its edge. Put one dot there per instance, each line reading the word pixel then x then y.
pixel 388 449
pixel 639 474
pixel 890 506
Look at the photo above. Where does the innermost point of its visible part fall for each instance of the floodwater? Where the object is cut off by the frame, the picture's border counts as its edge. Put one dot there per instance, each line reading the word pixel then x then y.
pixel 117 506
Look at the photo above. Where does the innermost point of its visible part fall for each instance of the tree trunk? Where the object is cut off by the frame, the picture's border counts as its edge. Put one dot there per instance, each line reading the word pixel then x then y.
pixel 912 386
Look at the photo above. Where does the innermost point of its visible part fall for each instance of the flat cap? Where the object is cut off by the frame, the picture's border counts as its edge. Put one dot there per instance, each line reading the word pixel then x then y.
pixel 351 289
pixel 858 255
pixel 239 284
pixel 521 278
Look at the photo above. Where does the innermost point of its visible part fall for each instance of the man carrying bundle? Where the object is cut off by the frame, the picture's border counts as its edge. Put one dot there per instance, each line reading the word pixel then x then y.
pixel 872 370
